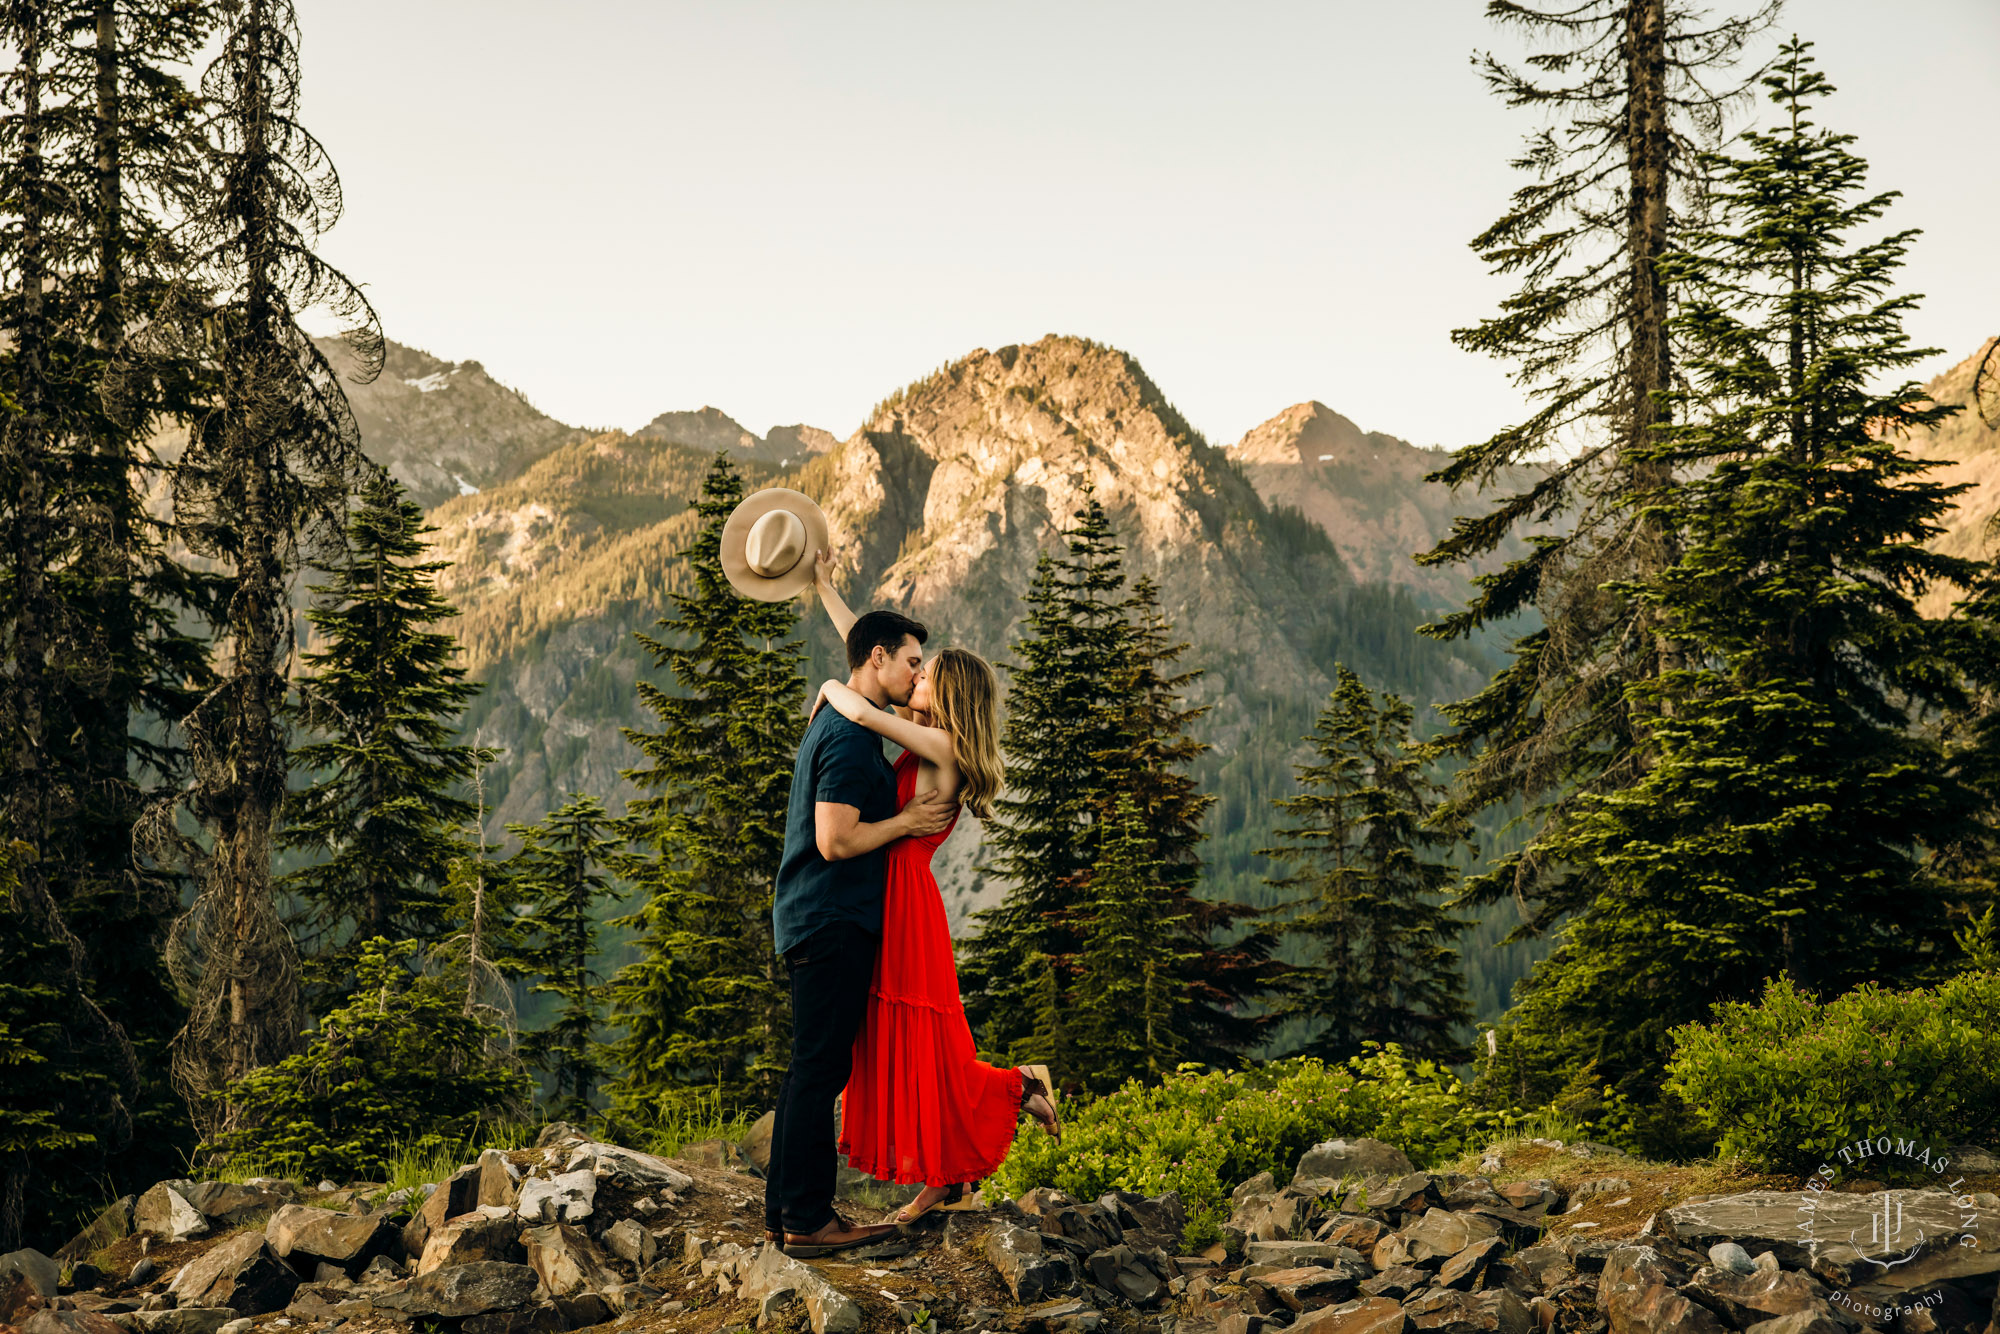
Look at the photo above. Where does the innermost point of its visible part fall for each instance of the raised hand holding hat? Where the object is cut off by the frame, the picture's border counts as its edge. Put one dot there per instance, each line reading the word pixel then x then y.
pixel 769 544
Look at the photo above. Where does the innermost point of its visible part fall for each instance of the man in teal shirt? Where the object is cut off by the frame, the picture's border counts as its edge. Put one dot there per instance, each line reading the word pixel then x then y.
pixel 827 922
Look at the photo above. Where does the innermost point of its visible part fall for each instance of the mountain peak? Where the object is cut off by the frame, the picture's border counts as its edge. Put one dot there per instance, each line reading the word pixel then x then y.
pixel 711 429
pixel 1309 432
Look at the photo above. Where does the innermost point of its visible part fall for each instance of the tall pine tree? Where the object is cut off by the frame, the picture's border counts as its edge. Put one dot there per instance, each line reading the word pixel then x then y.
pixel 1093 716
pixel 1785 822
pixel 1370 851
pixel 705 1006
pixel 267 471
pixel 558 876
pixel 1631 90
pixel 382 813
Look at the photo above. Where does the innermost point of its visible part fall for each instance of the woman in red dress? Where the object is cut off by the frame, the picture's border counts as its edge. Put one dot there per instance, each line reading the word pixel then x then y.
pixel 920 1106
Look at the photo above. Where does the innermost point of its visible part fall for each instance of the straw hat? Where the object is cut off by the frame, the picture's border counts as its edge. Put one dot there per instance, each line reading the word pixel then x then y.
pixel 770 542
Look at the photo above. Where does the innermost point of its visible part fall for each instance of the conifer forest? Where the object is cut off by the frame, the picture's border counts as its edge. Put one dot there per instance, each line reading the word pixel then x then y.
pixel 353 816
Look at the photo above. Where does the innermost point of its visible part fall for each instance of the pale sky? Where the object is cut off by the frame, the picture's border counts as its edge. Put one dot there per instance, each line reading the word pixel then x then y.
pixel 789 208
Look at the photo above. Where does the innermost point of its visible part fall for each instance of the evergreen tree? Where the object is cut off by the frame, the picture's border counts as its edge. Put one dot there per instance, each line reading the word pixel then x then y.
pixel 1093 716
pixel 1132 959
pixel 382 698
pixel 1784 824
pixel 557 875
pixel 1370 856
pixel 1631 88
pixel 398 1067
pixel 268 469
pixel 705 1005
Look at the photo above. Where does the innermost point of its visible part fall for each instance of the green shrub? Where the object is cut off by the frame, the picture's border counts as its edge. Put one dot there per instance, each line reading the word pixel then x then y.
pixel 1203 1134
pixel 399 1070
pixel 1787 1081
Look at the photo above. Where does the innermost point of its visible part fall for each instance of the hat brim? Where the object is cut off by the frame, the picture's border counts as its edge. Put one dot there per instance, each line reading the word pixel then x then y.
pixel 736 538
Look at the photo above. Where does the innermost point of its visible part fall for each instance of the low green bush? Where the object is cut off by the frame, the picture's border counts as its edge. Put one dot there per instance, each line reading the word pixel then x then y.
pixel 399 1071
pixel 1202 1134
pixel 1789 1080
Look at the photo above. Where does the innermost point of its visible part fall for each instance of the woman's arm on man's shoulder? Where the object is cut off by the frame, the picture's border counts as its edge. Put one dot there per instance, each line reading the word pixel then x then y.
pixel 932 743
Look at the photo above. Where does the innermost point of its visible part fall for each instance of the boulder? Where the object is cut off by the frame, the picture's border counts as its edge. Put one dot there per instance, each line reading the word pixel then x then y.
pixel 1410 1194
pixel 1355 1230
pixel 228 1205
pixel 43 1275
pixel 1292 1254
pixel 1306 1288
pixel 1471 1313
pixel 181 1320
pixel 1637 1294
pixel 498 1178
pixel 1261 1184
pixel 1730 1258
pixel 1530 1197
pixel 464 1290
pixel 1338 1159
pixel 756 1142
pixel 1545 1266
pixel 112 1222
pixel 567 1197
pixel 456 1194
pixel 1441 1234
pixel 307 1236
pixel 1371 1315
pixel 1029 1272
pixel 630 1243
pixel 830 1310
pixel 1092 1225
pixel 1285 1216
pixel 542 1318
pixel 1802 1322
pixel 1463 1269
pixel 1139 1277
pixel 1398 1282
pixel 166 1213
pixel 1745 1299
pixel 563 1258
pixel 49 1321
pixel 1953 1248
pixel 241 1273
pixel 1475 1191
pixel 491 1232
pixel 626 1168
pixel 1517 1226
pixel 1157 1222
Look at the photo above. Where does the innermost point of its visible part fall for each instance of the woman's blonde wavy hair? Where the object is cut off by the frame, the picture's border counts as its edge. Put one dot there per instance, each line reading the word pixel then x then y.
pixel 965 702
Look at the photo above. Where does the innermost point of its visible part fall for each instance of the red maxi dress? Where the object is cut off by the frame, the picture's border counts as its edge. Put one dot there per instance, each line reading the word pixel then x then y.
pixel 920 1107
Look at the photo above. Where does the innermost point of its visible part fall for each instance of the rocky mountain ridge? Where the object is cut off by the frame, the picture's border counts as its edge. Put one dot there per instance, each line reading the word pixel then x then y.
pixel 712 429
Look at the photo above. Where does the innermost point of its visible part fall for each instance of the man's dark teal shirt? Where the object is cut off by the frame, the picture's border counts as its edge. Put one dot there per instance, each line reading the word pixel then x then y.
pixel 842 762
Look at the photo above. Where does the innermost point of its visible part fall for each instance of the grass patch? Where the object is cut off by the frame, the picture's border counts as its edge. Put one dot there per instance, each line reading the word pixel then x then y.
pixel 698 1117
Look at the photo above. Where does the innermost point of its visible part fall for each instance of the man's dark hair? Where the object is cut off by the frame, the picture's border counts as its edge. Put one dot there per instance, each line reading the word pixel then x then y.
pixel 880 629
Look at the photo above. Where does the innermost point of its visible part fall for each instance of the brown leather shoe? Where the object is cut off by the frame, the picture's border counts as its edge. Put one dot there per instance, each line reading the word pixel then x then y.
pixel 837 1235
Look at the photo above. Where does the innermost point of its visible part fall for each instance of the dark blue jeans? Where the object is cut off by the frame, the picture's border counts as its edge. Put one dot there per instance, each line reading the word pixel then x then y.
pixel 831 971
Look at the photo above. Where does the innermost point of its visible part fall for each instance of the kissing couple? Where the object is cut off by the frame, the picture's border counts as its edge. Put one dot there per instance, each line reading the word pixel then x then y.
pixel 857 915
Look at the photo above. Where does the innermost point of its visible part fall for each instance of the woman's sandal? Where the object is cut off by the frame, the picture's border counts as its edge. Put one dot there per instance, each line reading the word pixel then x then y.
pixel 1035 1079
pixel 952 1195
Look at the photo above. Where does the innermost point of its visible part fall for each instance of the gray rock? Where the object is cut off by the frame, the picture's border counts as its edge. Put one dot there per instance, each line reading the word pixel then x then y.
pixel 1441 1234
pixel 142 1271
pixel 1158 1222
pixel 1030 1272
pixel 1463 1270
pixel 1092 1225
pixel 830 1310
pixel 1368 1315
pixel 1951 1248
pixel 229 1204
pixel 1746 1298
pixel 240 1325
pixel 183 1320
pixel 1469 1313
pixel 1292 1254
pixel 491 1232
pixel 542 1318
pixel 1139 1277
pixel 566 1198
pixel 630 1243
pixel 166 1213
pixel 626 1167
pixel 1261 1184
pixel 1973 1159
pixel 112 1222
pixel 1338 1159
pixel 1545 1266
pixel 563 1258
pixel 1801 1322
pixel 1728 1256
pixel 241 1273
pixel 464 1290
pixel 1285 1216
pixel 1638 1293
pixel 1613 1186
pixel 42 1273
pixel 756 1143
pixel 307 1236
